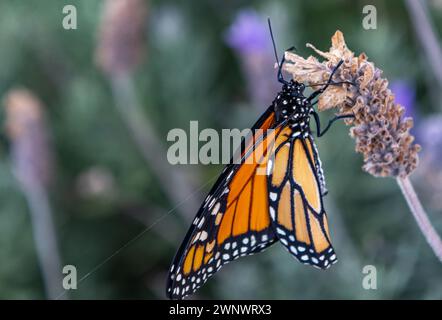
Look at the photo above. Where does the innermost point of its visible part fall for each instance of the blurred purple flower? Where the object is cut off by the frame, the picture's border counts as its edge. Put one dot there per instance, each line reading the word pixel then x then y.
pixel 405 95
pixel 249 33
pixel 249 37
pixel 429 173
pixel 430 136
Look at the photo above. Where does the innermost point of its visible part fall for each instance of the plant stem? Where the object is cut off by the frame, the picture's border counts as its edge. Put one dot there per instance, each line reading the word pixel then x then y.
pixel 426 34
pixel 421 217
pixel 45 239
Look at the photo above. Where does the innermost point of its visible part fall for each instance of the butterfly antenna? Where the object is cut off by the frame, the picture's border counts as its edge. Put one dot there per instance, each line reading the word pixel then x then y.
pixel 273 41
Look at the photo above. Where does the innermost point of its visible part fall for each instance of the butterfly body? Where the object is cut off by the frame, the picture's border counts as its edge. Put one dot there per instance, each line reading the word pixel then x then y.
pixel 290 104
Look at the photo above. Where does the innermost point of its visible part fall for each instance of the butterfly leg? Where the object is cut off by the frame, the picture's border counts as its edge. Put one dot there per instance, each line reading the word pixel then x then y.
pixel 330 122
pixel 332 83
pixel 329 82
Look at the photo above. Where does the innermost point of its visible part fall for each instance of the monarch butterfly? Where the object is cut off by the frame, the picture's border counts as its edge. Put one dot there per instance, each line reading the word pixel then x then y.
pixel 246 212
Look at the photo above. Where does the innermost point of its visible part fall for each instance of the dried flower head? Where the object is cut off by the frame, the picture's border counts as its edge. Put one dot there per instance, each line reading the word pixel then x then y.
pixel 121 36
pixel 30 148
pixel 379 127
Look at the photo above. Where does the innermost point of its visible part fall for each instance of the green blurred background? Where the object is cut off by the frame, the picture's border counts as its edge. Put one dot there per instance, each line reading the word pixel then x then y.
pixel 111 212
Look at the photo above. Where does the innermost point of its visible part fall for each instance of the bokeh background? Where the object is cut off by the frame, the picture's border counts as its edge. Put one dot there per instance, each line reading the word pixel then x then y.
pixel 84 178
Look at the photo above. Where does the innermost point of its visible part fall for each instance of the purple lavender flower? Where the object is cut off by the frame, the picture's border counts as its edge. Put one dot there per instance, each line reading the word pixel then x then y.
pixel 405 95
pixel 429 134
pixel 248 34
pixel 249 37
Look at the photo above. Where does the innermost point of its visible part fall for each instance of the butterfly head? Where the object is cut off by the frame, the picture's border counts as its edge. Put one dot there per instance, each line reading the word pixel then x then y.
pixel 293 88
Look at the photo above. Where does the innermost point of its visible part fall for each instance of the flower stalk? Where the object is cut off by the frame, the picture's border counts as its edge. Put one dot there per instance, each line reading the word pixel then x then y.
pixel 421 217
pixel 31 157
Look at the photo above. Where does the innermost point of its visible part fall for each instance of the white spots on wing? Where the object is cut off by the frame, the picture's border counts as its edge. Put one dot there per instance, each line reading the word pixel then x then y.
pixel 235 253
pixel 269 166
pixel 245 240
pixel 179 276
pixel 264 238
pixel 304 257
pixel 200 224
pixel 216 208
pixel 301 248
pixel 273 196
pixel 293 250
pixel 197 236
pixel 211 203
pixel 284 241
pixel 243 249
pixel 314 260
pixel 227 246
pixel 291 238
pixel 203 235
pixel 272 212
pixel 333 257
pixel 280 231
pixel 234 245
pixel 226 256
pixel 252 241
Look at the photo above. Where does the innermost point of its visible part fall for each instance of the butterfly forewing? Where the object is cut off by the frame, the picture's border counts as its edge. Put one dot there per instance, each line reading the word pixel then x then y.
pixel 233 221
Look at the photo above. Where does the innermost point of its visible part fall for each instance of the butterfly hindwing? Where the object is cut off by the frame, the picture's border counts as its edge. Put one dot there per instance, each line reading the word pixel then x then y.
pixel 296 207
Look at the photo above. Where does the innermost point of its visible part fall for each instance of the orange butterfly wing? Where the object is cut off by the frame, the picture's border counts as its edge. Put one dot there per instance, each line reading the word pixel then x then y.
pixel 234 219
pixel 296 186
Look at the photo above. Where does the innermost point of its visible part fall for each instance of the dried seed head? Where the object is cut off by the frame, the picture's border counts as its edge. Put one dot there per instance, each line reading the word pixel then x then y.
pixel 121 35
pixel 30 148
pixel 381 132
